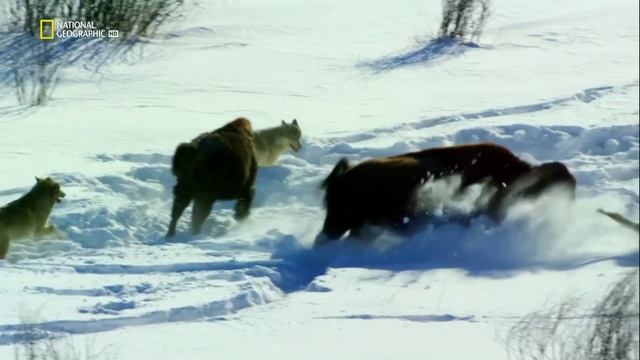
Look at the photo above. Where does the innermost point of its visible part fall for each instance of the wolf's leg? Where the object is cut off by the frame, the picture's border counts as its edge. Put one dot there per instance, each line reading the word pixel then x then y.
pixel 202 205
pixel 4 243
pixel 182 196
pixel 47 230
pixel 243 205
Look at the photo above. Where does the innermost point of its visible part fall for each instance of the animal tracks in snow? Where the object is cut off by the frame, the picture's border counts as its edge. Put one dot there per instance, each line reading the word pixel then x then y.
pixel 126 274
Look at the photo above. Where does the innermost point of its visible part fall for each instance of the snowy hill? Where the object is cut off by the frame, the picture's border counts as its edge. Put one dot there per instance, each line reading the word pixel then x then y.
pixel 551 81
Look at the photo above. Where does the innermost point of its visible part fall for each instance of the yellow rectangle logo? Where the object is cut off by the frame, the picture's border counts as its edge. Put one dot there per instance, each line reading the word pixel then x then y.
pixel 46 29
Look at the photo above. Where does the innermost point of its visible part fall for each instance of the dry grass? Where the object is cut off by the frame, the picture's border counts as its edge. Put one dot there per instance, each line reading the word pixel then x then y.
pixel 463 18
pixel 560 332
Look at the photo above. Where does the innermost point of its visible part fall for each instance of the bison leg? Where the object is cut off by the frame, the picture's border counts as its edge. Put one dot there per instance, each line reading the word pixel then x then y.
pixel 202 205
pixel 332 230
pixel 181 198
pixel 327 236
pixel 4 243
pixel 356 232
pixel 243 205
pixel 496 208
pixel 550 175
pixel 531 185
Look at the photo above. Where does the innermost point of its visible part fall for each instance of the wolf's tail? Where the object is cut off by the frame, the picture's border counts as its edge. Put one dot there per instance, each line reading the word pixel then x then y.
pixel 617 217
pixel 183 158
pixel 341 167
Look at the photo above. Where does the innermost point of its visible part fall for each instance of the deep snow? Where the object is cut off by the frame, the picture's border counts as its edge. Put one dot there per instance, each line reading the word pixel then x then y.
pixel 550 81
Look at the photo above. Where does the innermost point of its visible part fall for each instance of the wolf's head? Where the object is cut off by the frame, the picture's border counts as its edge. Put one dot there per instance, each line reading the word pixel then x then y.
pixel 49 189
pixel 292 133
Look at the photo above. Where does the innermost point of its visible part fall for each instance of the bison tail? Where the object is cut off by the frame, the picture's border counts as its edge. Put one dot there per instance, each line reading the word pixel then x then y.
pixel 183 158
pixel 341 167
pixel 621 220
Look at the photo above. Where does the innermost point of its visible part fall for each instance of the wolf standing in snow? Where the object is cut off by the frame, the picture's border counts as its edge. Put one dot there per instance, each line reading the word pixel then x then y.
pixel 218 165
pixel 272 142
pixel 27 216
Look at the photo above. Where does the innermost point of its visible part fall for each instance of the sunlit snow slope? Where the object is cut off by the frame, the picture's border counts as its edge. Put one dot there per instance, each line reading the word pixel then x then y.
pixel 552 81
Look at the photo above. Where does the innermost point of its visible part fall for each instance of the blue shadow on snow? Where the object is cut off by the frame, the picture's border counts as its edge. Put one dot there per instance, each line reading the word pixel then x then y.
pixel 433 51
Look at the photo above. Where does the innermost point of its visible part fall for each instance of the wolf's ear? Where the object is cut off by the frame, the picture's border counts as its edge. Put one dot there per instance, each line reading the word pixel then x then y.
pixel 38 179
pixel 283 124
pixel 294 122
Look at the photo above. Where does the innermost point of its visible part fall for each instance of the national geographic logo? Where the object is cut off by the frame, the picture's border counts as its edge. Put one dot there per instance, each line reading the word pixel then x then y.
pixel 51 29
pixel 46 29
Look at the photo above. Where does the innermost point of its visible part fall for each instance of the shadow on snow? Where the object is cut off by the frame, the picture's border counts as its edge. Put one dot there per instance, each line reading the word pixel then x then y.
pixel 432 52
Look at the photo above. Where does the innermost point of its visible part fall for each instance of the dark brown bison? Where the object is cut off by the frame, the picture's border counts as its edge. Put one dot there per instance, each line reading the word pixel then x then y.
pixel 218 165
pixel 383 191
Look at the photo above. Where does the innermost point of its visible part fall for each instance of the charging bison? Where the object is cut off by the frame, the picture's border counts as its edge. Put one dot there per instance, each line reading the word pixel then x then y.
pixel 218 165
pixel 383 191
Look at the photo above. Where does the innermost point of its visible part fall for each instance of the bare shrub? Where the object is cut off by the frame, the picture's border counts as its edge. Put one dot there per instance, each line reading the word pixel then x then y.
pixel 463 18
pixel 32 65
pixel 37 344
pixel 560 332
pixel 130 17
pixel 25 14
pixel 35 77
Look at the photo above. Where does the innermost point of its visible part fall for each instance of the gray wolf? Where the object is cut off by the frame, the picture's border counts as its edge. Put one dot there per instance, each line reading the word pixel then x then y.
pixel 272 142
pixel 27 216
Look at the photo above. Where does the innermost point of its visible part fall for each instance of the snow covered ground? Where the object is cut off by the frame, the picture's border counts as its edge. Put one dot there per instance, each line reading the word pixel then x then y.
pixel 550 80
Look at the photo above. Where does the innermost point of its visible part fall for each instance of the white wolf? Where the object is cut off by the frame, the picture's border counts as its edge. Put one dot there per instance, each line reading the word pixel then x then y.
pixel 272 142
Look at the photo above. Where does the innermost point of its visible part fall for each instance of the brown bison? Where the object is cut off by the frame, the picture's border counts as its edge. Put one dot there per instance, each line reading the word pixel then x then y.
pixel 218 165
pixel 383 191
